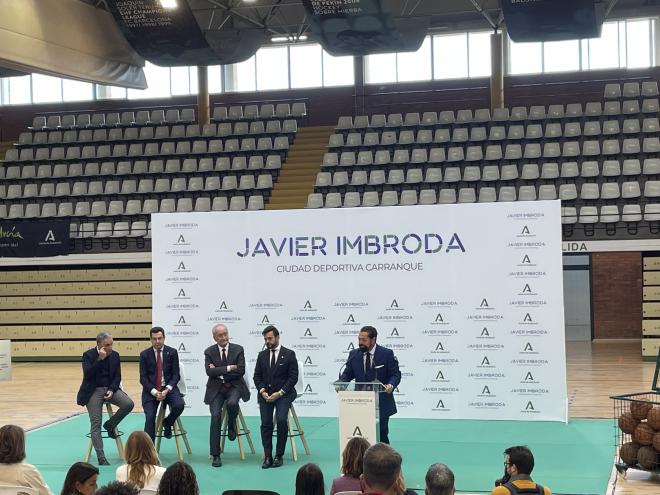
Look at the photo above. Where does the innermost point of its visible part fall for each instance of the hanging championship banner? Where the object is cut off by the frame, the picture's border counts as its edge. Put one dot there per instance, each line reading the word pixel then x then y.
pixel 363 27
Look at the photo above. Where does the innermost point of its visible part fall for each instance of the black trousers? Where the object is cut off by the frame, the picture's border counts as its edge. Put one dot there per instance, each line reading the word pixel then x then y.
pixel 383 423
pixel 231 396
pixel 281 407
pixel 175 402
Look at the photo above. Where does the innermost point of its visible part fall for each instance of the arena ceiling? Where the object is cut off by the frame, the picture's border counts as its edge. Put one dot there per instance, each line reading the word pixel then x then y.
pixel 287 17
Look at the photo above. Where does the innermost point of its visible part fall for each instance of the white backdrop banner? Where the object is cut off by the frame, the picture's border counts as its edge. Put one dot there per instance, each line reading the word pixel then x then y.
pixel 469 297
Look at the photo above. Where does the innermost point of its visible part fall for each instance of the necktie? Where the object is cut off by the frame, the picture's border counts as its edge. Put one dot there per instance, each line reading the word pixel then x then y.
pixel 159 371
pixel 224 357
pixel 367 365
pixel 272 359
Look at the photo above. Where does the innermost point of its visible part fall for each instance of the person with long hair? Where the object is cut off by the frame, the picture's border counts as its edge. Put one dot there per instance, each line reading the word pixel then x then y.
pixel 80 479
pixel 13 470
pixel 179 479
pixel 309 480
pixel 142 466
pixel 351 466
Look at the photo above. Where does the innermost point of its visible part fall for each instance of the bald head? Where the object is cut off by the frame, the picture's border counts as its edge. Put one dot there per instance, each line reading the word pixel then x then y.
pixel 439 480
pixel 221 334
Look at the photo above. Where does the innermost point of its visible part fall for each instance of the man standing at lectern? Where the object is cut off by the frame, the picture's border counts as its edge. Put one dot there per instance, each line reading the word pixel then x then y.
pixel 371 362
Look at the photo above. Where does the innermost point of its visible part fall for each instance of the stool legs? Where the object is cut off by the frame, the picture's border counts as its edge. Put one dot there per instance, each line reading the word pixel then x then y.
pixel 120 446
pixel 241 430
pixel 295 430
pixel 177 431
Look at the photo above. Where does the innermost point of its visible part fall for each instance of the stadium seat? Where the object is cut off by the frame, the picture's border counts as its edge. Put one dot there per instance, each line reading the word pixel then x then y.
pixel 609 214
pixel 315 200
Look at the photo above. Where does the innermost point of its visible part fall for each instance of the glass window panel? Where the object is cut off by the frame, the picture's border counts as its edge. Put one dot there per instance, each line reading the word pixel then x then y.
pixel 622 44
pixel 46 88
pixel 158 81
pixel 561 56
pixel 525 58
pixel 241 76
pixel 603 51
pixel 77 90
pixel 450 58
pixel 4 91
pixel 415 66
pixel 306 66
pixel 19 90
pixel 180 80
pixel 110 92
pixel 380 68
pixel 215 78
pixel 338 71
pixel 272 68
pixel 638 43
pixel 479 52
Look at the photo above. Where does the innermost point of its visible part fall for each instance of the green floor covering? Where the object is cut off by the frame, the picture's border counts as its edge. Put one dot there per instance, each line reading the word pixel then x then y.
pixel 573 458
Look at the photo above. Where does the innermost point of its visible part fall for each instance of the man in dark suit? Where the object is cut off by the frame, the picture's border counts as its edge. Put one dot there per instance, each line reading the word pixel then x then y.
pixel 275 377
pixel 225 366
pixel 101 381
pixel 371 362
pixel 159 377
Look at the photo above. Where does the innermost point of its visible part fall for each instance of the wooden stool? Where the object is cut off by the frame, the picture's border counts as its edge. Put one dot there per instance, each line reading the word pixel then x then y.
pixel 241 430
pixel 294 431
pixel 177 431
pixel 120 446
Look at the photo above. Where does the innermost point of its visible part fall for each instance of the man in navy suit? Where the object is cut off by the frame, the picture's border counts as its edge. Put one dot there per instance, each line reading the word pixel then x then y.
pixel 159 377
pixel 275 377
pixel 225 366
pixel 371 362
pixel 101 381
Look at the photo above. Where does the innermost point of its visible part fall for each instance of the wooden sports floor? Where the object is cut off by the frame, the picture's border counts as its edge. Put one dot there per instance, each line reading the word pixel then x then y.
pixel 41 393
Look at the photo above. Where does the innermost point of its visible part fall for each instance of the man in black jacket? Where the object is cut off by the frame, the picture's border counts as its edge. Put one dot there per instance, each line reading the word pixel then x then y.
pixel 224 364
pixel 275 377
pixel 101 380
pixel 159 377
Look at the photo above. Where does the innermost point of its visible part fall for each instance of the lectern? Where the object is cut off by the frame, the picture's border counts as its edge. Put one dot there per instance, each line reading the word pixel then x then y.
pixel 358 411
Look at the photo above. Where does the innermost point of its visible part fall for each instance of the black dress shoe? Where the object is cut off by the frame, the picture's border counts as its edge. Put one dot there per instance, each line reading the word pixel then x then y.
pixel 167 431
pixel 268 462
pixel 231 434
pixel 216 461
pixel 277 462
pixel 110 430
pixel 103 461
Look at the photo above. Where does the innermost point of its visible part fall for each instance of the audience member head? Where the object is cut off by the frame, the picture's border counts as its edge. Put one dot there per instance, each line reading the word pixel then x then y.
pixel 12 444
pixel 439 480
pixel 381 469
pixel 141 458
pixel 309 480
pixel 80 479
pixel 178 479
pixel 518 460
pixel 353 455
pixel 119 488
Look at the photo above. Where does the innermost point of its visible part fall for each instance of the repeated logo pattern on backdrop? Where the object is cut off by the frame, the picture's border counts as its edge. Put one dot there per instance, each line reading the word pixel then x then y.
pixel 469 297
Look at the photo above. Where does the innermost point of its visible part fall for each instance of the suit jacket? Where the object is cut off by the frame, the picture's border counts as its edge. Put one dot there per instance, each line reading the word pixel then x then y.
pixel 219 375
pixel 91 365
pixel 385 369
pixel 285 375
pixel 148 370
